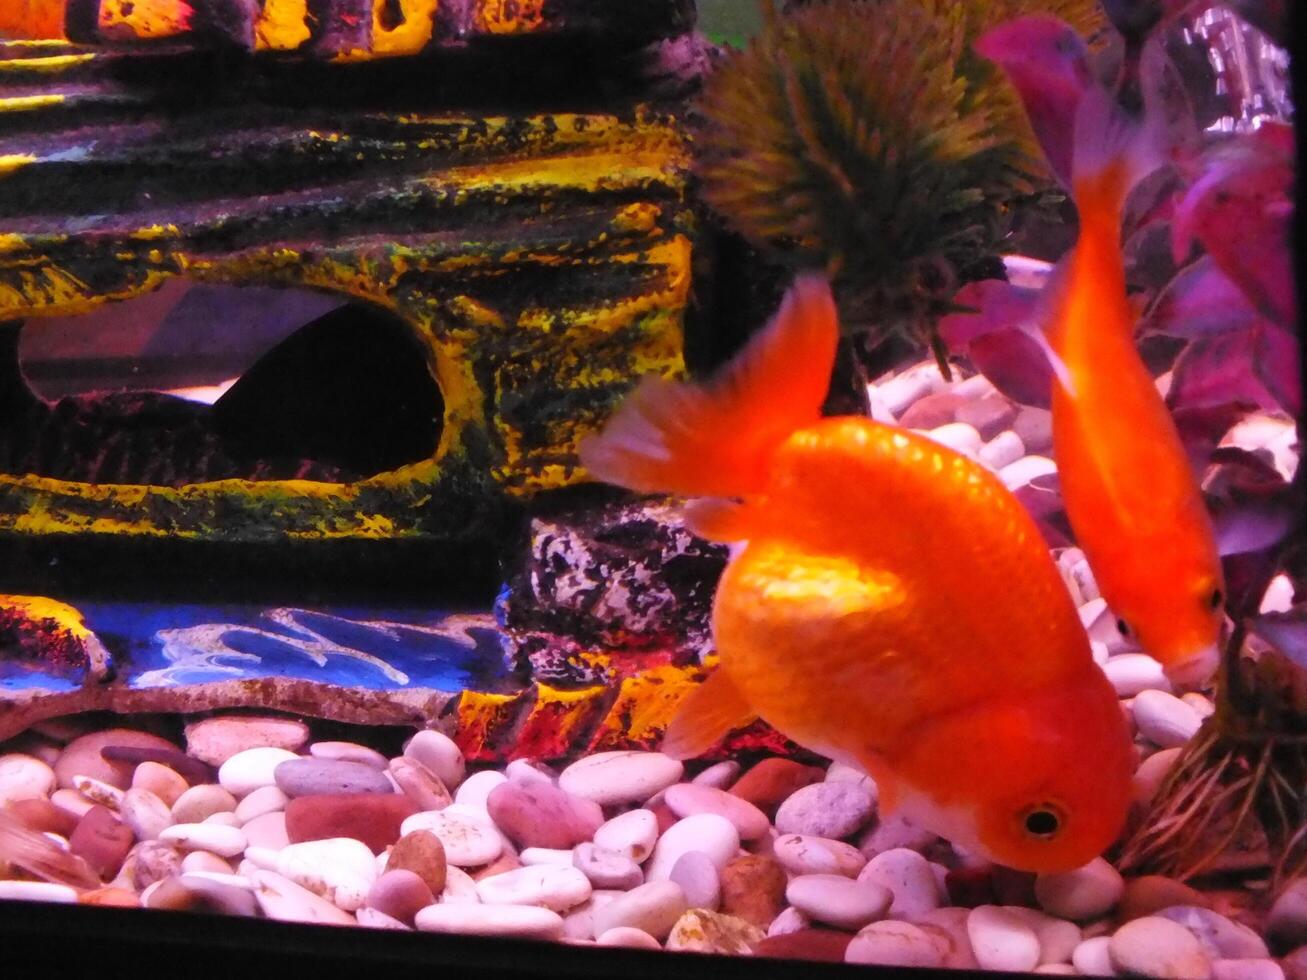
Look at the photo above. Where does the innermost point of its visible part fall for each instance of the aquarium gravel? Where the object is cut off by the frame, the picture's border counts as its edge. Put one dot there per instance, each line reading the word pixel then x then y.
pixel 254 815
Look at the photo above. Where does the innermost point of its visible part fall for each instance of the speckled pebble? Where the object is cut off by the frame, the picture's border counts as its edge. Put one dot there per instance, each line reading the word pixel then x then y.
pixel 699 879
pixel 1000 940
pixel 1157 947
pixel 469 837
pixel 371 918
pixel 615 778
pixel 895 830
pixel 705 931
pixel 838 901
pixel 99 792
pixel 220 840
pixel 340 869
pixel 895 944
pixel 909 878
pixel 419 784
pixel 834 810
pixel 1164 719
pixel 1082 894
pixel 802 854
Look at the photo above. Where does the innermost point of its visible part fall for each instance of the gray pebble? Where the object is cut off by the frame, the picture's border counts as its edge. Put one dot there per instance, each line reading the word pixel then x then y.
pixel 315 777
pixel 834 810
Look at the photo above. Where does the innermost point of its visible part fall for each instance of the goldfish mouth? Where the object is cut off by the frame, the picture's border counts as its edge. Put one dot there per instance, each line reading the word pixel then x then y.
pixel 1196 670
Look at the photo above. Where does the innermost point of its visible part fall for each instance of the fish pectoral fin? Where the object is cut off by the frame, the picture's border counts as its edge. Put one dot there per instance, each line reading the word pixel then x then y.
pixel 706 714
pixel 887 786
pixel 718 519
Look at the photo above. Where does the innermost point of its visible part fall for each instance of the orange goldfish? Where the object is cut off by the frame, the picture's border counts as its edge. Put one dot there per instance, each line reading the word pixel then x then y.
pixel 1127 485
pixel 888 603
pixel 37 19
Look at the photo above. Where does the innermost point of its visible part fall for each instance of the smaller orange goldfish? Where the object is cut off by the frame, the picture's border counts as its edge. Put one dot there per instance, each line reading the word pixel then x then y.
pixel 1129 491
pixel 889 603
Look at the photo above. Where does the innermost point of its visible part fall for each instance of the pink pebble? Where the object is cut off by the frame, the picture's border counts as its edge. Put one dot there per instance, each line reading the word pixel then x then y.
pixel 400 894
pixel 687 799
pixel 539 815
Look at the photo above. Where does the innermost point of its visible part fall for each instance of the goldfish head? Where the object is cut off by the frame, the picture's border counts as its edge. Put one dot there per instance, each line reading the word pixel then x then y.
pixel 1180 626
pixel 1039 781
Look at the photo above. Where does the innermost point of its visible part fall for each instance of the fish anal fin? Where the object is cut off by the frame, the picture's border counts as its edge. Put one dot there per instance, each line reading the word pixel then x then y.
pixel 706 714
pixel 716 518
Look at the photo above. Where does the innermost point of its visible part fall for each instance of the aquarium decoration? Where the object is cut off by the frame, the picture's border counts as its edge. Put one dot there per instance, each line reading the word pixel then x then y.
pixel 518 250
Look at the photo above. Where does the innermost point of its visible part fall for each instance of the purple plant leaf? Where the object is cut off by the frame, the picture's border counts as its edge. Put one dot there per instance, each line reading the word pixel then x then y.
pixel 1239 208
pixel 1200 301
pixel 1286 632
pixel 1017 367
pixel 1252 527
pixel 1257 366
pixel 993 340
pixel 1202 427
pixel 999 305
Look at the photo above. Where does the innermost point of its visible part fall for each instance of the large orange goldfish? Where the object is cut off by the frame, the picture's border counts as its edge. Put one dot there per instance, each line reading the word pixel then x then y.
pixel 892 604
pixel 1128 488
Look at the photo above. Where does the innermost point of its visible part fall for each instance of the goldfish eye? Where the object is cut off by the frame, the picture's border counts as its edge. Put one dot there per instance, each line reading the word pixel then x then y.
pixel 1043 821
pixel 1123 628
pixel 1215 599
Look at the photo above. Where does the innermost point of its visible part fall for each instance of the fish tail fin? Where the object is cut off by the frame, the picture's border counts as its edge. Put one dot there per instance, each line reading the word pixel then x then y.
pixel 717 438
pixel 705 716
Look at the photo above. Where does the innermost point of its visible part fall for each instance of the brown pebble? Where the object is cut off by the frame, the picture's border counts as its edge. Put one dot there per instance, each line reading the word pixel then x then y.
pixel 167 784
pixel 772 781
pixel 110 896
pixel 753 889
pixel 84 757
pixel 507 861
pixel 1151 893
pixel 825 945
pixel 102 840
pixel 372 818
pixel 932 411
pixel 1013 887
pixel 970 886
pixel 42 816
pixel 422 853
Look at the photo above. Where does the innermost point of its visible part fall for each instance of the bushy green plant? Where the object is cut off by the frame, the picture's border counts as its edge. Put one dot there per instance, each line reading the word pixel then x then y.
pixel 866 137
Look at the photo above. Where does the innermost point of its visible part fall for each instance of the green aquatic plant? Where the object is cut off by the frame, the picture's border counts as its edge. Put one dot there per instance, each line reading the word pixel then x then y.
pixel 867 138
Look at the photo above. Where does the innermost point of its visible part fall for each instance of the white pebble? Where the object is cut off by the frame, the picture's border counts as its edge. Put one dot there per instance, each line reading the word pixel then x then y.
pixel 1085 893
pixel 1001 941
pixel 1219 936
pixel 548 886
pixel 838 901
pixel 37 891
pixel 959 437
pixel 199 803
pixel 687 799
pixel 898 392
pixel 1024 470
pixel 205 861
pixel 226 819
pixel 469 836
pixel 715 836
pixel 1003 450
pixel 24 777
pixel 528 922
pixel 842 772
pixel 1091 957
pixel 1164 719
pixel 628 937
pixel 653 907
pixel 1278 597
pixel 1058 938
pixel 790 920
pixel 475 789
pixel 633 833
pixel 280 898
pixel 223 841
pixel 525 773
pixel 340 869
pixel 546 855
pixel 370 918
pixel 802 854
pixel 699 880
pixel 606 869
pixel 265 799
pixel 146 814
pixel 1260 969
pixel 1130 674
pixel 459 887
pixel 440 754
pixel 614 778
pixel 247 770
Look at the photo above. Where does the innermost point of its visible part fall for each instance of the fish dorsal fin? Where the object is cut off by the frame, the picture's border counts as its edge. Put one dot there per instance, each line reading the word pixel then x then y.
pixel 705 716
pixel 717 438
